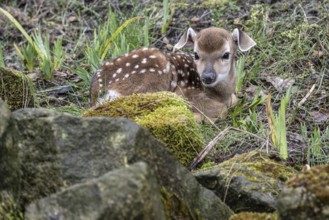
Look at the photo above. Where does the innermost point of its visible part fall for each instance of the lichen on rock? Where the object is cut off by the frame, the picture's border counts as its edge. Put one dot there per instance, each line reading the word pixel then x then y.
pixel 247 182
pixel 254 216
pixel 306 195
pixel 16 89
pixel 165 114
pixel 8 207
pixel 315 181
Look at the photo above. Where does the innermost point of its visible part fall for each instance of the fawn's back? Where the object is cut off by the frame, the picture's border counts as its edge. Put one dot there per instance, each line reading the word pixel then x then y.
pixel 141 71
pixel 207 80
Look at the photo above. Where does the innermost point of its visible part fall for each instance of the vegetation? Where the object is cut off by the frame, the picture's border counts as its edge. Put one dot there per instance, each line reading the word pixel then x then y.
pixel 61 44
pixel 165 115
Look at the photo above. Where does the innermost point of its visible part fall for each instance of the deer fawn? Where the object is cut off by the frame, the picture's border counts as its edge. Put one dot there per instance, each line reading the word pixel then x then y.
pixel 207 80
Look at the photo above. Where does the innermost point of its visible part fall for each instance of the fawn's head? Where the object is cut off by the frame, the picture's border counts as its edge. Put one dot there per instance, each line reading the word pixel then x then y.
pixel 214 51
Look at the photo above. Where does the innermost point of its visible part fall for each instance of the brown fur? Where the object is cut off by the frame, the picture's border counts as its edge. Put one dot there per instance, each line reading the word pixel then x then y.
pixel 150 70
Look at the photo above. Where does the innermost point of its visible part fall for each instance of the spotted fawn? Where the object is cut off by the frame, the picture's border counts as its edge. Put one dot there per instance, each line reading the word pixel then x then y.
pixel 207 79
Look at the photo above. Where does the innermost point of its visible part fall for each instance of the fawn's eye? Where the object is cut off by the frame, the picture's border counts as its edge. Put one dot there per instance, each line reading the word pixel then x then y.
pixel 226 56
pixel 196 56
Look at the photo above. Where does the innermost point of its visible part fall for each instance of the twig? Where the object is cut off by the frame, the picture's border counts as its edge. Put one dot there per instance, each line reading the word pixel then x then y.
pixel 220 136
pixel 207 148
pixel 306 96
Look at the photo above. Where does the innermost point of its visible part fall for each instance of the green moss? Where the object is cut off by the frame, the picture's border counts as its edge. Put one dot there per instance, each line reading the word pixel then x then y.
pixel 314 180
pixel 165 114
pixel 135 105
pixel 254 216
pixel 257 163
pixel 16 89
pixel 8 208
pixel 177 129
pixel 257 167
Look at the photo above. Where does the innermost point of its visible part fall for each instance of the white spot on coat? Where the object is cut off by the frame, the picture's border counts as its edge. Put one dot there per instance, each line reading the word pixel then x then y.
pixel 135 56
pixel 119 70
pixel 173 84
pixel 110 95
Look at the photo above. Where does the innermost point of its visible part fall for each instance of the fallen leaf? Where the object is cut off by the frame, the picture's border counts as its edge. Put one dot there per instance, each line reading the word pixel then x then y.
pixel 195 19
pixel 252 90
pixel 279 83
pixel 318 53
pixel 320 116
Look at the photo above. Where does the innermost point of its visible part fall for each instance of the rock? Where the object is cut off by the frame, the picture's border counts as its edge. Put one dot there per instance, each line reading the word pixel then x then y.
pixel 126 193
pixel 247 182
pixel 254 216
pixel 167 117
pixel 8 207
pixel 4 117
pixel 9 165
pixel 56 150
pixel 16 89
pixel 306 195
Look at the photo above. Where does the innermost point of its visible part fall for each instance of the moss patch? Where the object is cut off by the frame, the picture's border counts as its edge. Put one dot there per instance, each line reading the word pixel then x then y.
pixel 16 89
pixel 248 182
pixel 8 208
pixel 258 165
pixel 254 216
pixel 165 114
pixel 314 180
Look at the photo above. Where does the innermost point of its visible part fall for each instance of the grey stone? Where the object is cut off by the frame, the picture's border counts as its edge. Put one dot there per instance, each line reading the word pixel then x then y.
pixel 4 117
pixel 248 182
pixel 126 193
pixel 306 195
pixel 56 150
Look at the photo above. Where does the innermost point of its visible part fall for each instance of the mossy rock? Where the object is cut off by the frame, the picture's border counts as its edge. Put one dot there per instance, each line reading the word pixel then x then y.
pixel 248 182
pixel 16 89
pixel 315 181
pixel 306 195
pixel 166 115
pixel 8 208
pixel 254 216
pixel 172 200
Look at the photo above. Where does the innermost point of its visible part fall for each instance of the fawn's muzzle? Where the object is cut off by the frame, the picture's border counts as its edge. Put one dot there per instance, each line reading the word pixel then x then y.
pixel 208 77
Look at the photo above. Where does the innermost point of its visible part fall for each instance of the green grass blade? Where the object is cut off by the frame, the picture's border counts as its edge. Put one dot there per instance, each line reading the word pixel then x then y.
pixel 2 58
pixel 19 27
pixel 19 52
pixel 115 34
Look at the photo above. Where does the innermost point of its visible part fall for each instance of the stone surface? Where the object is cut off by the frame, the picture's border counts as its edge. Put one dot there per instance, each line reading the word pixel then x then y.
pixel 306 195
pixel 4 117
pixel 247 182
pixel 254 216
pixel 8 207
pixel 16 89
pixel 53 151
pixel 126 193
pixel 9 165
pixel 165 114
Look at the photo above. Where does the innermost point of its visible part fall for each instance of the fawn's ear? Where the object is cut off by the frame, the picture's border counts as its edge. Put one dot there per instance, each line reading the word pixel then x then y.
pixel 188 37
pixel 243 40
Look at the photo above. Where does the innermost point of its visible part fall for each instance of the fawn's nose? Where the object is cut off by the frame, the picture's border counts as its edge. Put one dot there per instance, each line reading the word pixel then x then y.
pixel 208 76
